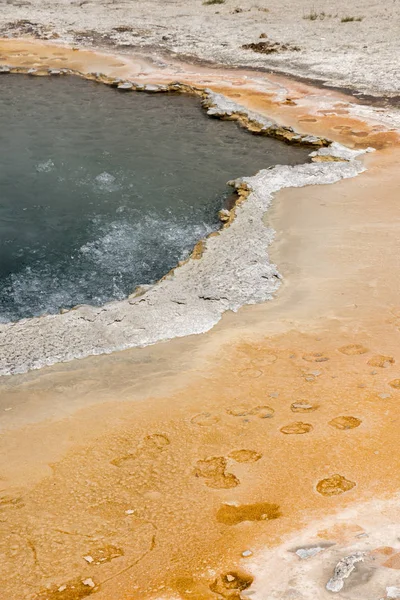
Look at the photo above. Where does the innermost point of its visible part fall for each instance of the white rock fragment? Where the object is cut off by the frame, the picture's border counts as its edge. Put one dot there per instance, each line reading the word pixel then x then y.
pixel 224 215
pixel 393 592
pixel 126 85
pixel 339 151
pixel 89 559
pixel 247 553
pixel 149 87
pixel 342 570
pixel 305 553
pixel 129 512
pixel 62 588
pixel 89 582
pixel 309 139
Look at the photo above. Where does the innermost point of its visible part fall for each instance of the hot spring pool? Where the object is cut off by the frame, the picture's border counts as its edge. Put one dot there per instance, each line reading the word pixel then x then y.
pixel 101 191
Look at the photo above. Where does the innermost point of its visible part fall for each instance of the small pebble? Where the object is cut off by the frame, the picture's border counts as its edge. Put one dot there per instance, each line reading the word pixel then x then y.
pixel 89 582
pixel 88 559
pixel 247 553
pixel 305 553
pixel 129 512
pixel 62 588
pixel 125 86
pixel 230 578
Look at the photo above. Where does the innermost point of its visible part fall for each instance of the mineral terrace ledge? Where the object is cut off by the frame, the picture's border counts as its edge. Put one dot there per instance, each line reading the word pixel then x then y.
pixel 215 104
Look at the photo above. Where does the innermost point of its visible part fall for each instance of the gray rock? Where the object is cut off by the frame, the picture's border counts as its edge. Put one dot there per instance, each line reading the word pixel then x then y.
pixel 127 86
pixel 343 569
pixel 155 88
pixel 305 553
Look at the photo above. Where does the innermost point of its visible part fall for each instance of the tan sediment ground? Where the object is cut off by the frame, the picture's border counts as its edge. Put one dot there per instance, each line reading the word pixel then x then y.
pixel 163 465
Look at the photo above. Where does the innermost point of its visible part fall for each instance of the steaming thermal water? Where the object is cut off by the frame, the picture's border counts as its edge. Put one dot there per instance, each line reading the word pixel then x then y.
pixel 101 190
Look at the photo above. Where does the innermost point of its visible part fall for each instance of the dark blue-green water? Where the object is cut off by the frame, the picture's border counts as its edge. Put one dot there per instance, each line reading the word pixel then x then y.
pixel 101 191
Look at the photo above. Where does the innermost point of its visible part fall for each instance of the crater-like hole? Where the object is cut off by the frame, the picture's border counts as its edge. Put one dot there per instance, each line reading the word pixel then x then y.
pixel 101 191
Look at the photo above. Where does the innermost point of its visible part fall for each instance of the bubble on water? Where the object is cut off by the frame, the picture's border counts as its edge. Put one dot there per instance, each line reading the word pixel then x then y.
pixel 105 178
pixel 106 182
pixel 45 167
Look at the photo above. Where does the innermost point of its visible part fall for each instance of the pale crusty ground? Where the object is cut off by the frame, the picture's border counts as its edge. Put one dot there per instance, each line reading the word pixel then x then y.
pixel 362 54
pixel 104 457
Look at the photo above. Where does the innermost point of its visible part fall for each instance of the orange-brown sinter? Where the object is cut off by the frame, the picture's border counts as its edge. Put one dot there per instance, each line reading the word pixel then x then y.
pixel 157 472
pixel 178 487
